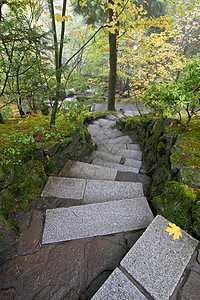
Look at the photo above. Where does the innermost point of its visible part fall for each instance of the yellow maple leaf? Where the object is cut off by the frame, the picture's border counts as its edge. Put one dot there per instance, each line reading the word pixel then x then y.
pixel 58 7
pixel 175 230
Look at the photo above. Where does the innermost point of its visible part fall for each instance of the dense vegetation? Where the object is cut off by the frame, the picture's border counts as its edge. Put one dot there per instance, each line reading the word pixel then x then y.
pixel 55 59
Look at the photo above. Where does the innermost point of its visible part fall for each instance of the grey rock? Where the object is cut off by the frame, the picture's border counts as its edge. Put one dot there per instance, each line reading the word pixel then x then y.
pixel 102 191
pixel 77 169
pixel 191 289
pixel 156 261
pixel 90 220
pixel 118 167
pixel 118 286
pixel 69 188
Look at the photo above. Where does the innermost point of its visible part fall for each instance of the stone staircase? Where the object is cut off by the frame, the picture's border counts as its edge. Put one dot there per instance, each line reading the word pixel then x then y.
pixel 155 264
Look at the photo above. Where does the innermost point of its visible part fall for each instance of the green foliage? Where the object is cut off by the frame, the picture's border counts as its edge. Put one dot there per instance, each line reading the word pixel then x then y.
pixel 167 98
pixel 74 112
pixel 25 183
pixel 176 203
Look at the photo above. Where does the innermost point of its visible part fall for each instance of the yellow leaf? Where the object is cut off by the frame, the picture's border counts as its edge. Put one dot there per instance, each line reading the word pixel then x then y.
pixel 58 7
pixel 58 17
pixel 175 230
pixel 89 26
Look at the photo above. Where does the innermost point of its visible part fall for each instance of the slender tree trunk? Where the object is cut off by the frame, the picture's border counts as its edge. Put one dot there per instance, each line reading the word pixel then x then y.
pixel 58 57
pixel 113 65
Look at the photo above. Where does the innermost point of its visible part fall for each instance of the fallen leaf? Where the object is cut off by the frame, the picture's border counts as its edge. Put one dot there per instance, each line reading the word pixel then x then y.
pixel 175 230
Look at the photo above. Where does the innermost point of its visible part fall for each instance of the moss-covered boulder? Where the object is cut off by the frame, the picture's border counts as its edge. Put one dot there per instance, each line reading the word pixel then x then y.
pixel 176 204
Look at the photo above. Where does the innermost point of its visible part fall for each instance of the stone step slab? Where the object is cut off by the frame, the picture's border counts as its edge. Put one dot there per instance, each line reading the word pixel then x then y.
pixel 118 287
pixel 77 222
pixel 90 191
pixel 77 169
pixel 102 191
pixel 133 154
pixel 111 117
pixel 118 167
pixel 156 261
pixel 102 155
pixel 108 147
pixel 60 187
pixel 105 122
pixel 114 133
pixel 95 130
pixel 133 147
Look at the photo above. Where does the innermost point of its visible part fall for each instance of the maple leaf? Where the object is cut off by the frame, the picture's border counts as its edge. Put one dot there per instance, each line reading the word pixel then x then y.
pixel 175 230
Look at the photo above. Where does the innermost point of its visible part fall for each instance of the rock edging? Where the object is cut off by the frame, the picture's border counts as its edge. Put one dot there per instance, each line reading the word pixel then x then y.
pixel 171 193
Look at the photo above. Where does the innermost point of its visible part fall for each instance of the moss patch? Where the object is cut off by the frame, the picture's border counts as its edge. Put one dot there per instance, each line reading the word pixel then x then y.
pixel 176 204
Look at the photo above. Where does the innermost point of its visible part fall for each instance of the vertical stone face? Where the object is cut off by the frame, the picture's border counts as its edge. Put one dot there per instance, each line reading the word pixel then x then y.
pixel 157 261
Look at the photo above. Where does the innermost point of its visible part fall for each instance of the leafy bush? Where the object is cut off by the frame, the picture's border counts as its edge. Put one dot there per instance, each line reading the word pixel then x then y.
pixel 168 98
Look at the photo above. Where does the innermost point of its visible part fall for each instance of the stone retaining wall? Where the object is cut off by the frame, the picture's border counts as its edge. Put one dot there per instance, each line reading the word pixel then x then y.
pixel 171 193
pixel 20 183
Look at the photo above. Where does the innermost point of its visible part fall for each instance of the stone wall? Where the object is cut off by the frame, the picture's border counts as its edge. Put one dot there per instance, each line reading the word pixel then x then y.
pixel 20 183
pixel 171 193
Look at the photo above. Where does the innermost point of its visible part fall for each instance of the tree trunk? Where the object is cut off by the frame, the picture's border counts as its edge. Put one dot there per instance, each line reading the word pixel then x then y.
pixel 113 65
pixel 1 119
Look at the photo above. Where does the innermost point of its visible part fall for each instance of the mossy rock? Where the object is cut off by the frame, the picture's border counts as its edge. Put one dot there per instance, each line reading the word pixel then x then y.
pixel 196 219
pixel 176 203
pixel 26 184
pixel 190 176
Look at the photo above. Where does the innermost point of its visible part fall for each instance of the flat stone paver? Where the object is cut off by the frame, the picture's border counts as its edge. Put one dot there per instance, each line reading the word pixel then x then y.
pixel 63 224
pixel 121 140
pixel 156 261
pixel 191 289
pixel 102 155
pixel 102 191
pixel 133 154
pixel 77 169
pixel 69 188
pixel 118 167
pixel 134 147
pixel 107 147
pixel 95 130
pixel 118 287
pixel 113 133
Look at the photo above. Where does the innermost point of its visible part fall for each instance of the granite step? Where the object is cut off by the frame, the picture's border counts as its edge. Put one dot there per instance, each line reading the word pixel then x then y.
pixel 118 287
pixel 91 191
pixel 119 159
pixel 77 222
pixel 108 147
pixel 155 264
pixel 105 122
pixel 133 154
pixel 118 167
pixel 102 139
pixel 120 149
pixel 77 169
